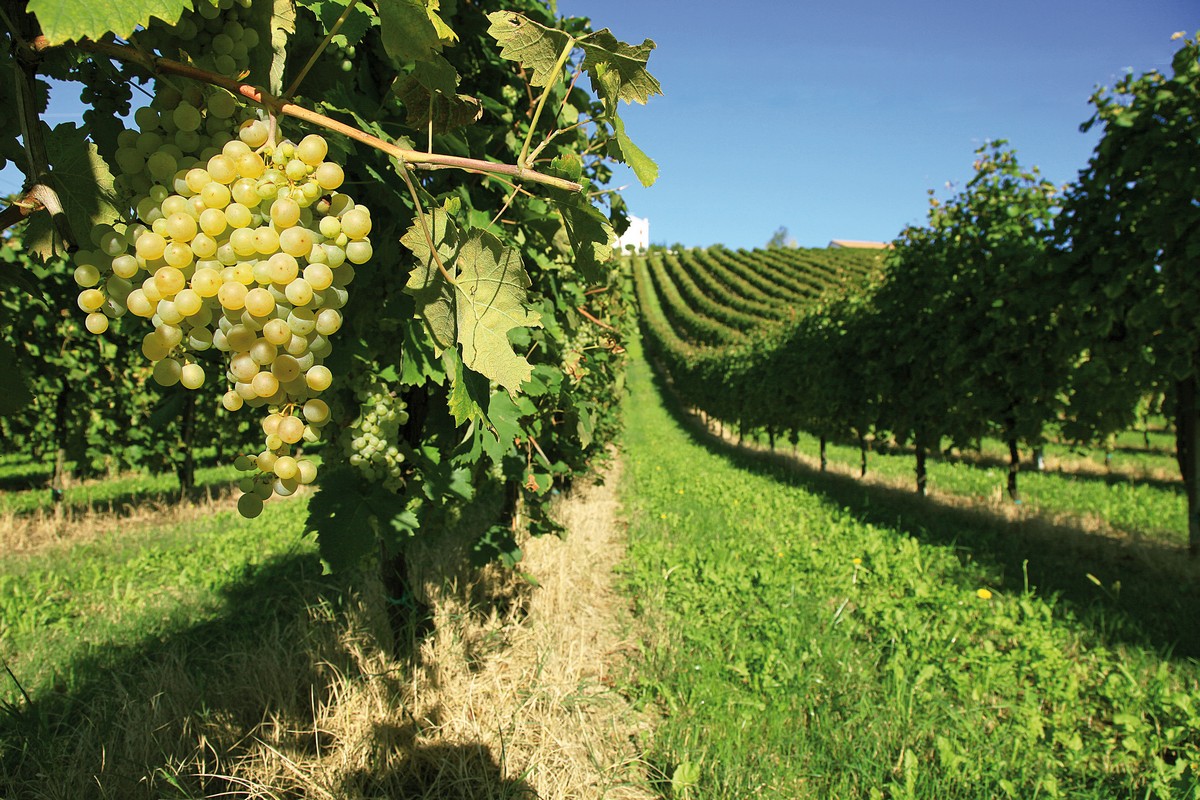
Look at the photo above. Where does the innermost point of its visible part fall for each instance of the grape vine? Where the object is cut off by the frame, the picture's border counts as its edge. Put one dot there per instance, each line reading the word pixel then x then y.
pixel 473 362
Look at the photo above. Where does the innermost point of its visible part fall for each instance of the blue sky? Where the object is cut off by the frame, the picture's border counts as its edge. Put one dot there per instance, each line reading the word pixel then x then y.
pixel 834 118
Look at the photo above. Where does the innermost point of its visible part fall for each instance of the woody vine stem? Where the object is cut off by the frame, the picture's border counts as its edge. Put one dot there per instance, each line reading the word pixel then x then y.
pixel 276 106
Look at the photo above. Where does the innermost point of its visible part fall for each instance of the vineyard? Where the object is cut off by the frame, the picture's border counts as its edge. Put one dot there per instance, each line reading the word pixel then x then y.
pixel 345 457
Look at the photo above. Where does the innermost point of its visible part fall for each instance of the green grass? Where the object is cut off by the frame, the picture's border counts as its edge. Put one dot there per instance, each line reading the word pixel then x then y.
pixel 115 492
pixel 809 636
pixel 67 613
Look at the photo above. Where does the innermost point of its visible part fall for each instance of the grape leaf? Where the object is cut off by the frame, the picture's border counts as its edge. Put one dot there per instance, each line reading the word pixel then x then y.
pixel 490 298
pixel 429 94
pixel 353 29
pixel 282 26
pixel 485 301
pixel 343 518
pixel 618 70
pixel 16 394
pixel 62 20
pixel 588 231
pixel 465 388
pixel 408 32
pixel 84 185
pixel 535 47
pixel 622 147
pixel 434 297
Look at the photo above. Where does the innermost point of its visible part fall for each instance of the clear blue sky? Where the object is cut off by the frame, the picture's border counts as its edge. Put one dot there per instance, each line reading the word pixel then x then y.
pixel 834 118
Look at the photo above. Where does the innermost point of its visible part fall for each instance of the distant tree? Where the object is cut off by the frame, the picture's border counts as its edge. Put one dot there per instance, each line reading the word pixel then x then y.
pixel 781 239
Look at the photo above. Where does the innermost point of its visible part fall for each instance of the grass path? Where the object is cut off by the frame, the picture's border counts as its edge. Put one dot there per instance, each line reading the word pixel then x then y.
pixel 813 638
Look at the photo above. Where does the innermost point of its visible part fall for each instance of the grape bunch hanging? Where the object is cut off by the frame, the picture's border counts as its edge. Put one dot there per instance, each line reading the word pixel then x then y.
pixel 238 255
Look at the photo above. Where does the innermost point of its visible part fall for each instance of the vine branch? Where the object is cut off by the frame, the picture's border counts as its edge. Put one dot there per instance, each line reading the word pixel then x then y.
pixel 278 106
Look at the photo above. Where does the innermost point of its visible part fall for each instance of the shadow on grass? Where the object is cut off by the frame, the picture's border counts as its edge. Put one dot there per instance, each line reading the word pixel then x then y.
pixel 1149 593
pixel 175 714
pixel 979 460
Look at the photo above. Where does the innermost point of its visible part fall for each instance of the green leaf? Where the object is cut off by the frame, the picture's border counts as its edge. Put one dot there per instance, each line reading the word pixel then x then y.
pixel 428 96
pixel 359 21
pixel 433 295
pixel 282 26
pixel 343 522
pixel 16 394
pixel 505 420
pixel 623 148
pixel 618 70
pixel 462 400
pixel 85 188
pixel 588 230
pixel 535 47
pixel 408 32
pixel 63 20
pixel 485 301
pixel 490 297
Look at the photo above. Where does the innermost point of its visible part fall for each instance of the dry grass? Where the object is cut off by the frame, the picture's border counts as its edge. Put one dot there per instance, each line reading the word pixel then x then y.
pixel 512 696
pixel 35 531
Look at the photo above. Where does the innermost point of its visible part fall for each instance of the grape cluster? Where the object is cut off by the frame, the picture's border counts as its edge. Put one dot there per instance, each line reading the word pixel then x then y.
pixel 241 246
pixel 216 36
pixel 370 442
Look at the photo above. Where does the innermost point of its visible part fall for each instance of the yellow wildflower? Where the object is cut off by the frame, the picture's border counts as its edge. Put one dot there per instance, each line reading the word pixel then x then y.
pixel 983 594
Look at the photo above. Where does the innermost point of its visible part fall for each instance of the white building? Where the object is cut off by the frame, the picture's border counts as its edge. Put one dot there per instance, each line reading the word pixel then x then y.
pixel 638 235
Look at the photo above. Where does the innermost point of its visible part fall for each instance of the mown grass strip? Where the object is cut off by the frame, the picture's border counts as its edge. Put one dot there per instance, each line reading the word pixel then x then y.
pixel 798 650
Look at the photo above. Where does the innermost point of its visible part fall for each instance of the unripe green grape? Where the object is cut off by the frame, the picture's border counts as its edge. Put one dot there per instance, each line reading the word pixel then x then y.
pixel 167 372
pixel 86 276
pixel 263 352
pixel 186 117
pixel 301 321
pixel 250 505
pixel 285 368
